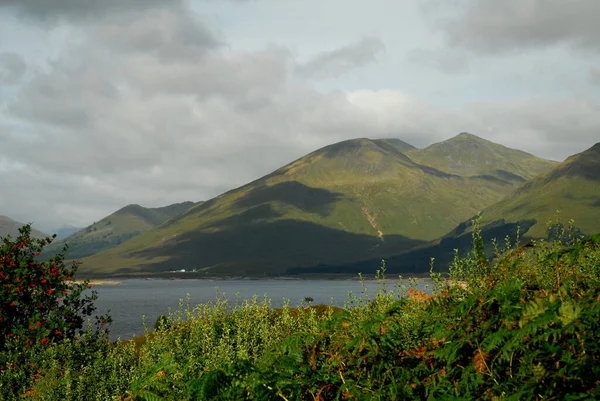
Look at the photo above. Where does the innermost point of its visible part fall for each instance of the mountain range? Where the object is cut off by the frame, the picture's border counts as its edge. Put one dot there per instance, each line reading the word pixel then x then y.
pixel 344 207
pixel 352 201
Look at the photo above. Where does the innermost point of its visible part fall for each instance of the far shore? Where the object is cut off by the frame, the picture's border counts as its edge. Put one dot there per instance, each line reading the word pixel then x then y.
pixel 112 280
pixel 99 282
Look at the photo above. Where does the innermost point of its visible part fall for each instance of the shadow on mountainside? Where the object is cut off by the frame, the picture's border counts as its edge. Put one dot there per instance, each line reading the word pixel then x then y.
pixel 266 247
pixel 307 199
pixel 418 260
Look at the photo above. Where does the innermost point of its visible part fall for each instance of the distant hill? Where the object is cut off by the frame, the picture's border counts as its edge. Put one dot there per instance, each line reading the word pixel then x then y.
pixel 65 231
pixel 470 156
pixel 11 227
pixel 573 187
pixel 349 201
pixel 115 229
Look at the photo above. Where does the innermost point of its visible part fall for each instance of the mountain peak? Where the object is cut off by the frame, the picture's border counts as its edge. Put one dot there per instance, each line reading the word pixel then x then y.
pixel 469 155
pixel 467 135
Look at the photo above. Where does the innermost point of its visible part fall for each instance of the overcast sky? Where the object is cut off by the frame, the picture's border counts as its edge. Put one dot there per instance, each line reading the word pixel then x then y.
pixel 106 103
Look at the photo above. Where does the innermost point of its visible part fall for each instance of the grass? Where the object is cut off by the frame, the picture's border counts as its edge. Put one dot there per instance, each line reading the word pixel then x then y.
pixel 519 327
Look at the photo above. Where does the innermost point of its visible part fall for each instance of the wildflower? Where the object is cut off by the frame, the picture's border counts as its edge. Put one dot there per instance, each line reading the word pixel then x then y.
pixel 44 341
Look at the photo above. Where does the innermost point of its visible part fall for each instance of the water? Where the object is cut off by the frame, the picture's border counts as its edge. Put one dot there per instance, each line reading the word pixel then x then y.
pixel 149 297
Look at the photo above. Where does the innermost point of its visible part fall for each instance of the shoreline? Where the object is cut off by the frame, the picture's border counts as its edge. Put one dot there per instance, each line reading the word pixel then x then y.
pixel 117 280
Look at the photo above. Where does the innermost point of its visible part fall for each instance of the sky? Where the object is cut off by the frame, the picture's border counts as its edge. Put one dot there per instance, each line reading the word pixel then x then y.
pixel 153 102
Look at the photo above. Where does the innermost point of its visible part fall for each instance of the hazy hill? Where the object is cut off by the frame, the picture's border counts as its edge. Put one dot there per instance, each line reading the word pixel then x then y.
pixel 11 227
pixel 65 231
pixel 345 202
pixel 115 229
pixel 469 155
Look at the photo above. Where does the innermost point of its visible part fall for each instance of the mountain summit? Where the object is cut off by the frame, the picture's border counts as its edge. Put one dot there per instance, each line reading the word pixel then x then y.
pixel 469 155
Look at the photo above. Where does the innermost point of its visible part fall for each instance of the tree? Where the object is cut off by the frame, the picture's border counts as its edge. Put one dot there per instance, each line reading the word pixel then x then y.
pixel 39 301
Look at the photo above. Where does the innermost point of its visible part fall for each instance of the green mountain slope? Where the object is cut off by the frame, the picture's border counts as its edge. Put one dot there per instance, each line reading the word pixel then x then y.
pixel 345 202
pixel 573 187
pixel 469 155
pixel 11 227
pixel 116 229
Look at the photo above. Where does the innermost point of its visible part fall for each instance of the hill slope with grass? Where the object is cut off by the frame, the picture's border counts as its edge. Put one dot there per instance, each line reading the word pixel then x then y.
pixel 573 187
pixel 11 227
pixel 115 229
pixel 349 201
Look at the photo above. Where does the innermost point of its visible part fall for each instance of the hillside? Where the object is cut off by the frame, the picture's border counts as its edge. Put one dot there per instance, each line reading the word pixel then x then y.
pixel 469 155
pixel 573 187
pixel 349 201
pixel 11 227
pixel 115 229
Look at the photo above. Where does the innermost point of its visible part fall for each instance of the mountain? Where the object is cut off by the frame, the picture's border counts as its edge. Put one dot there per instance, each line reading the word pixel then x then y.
pixel 349 201
pixel 573 187
pixel 470 156
pixel 10 227
pixel 115 229
pixel 65 231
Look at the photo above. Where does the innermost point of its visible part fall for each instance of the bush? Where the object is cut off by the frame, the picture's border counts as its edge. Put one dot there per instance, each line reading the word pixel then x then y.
pixel 40 304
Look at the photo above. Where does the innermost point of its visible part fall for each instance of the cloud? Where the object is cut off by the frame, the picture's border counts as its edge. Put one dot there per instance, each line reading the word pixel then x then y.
pixel 12 67
pixel 449 61
pixel 491 26
pixel 167 112
pixel 80 10
pixel 594 76
pixel 336 62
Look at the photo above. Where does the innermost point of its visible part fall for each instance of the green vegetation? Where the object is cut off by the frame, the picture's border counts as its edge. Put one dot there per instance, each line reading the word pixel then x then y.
pixel 519 327
pixel 354 200
pixel 115 229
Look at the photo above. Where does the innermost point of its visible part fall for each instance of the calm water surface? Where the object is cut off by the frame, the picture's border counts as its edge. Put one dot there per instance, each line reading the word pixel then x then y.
pixel 152 297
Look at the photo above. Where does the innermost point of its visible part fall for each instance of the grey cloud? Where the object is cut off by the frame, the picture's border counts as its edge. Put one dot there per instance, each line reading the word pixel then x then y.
pixel 594 76
pixel 170 33
pixel 551 128
pixel 107 123
pixel 490 26
pixel 12 67
pixel 336 62
pixel 78 10
pixel 452 61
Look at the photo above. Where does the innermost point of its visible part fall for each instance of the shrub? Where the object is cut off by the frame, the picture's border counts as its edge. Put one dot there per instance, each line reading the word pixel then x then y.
pixel 40 305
